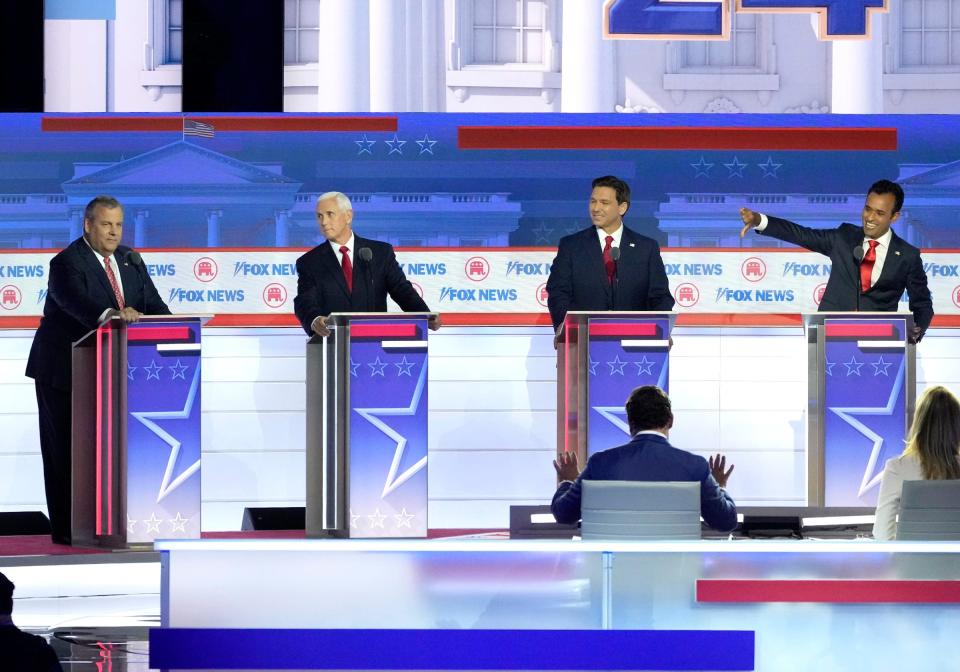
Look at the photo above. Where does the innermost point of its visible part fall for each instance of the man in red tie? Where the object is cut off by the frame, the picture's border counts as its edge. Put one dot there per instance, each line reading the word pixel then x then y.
pixel 871 265
pixel 92 279
pixel 607 266
pixel 349 274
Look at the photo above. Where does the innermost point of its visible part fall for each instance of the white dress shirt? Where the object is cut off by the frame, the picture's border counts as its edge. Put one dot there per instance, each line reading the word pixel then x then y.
pixel 113 267
pixel 617 236
pixel 336 252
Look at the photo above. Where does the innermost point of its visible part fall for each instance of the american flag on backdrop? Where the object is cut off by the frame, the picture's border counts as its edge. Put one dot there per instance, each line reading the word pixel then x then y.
pixel 197 128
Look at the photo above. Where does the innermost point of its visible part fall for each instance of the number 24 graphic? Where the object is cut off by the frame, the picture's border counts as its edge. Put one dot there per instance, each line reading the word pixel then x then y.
pixel 710 19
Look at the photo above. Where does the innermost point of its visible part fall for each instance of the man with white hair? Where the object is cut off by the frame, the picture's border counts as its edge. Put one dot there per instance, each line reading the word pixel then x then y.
pixel 349 274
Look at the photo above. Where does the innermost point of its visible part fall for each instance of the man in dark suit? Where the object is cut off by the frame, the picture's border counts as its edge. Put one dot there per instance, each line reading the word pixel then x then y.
pixel 349 274
pixel 586 274
pixel 871 265
pixel 93 279
pixel 647 457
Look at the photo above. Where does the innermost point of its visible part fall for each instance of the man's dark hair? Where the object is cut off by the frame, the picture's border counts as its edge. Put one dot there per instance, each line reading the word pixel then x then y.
pixel 100 201
pixel 648 408
pixel 6 595
pixel 615 183
pixel 882 187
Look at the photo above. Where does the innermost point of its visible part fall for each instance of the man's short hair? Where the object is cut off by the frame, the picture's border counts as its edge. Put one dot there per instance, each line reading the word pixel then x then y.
pixel 648 407
pixel 6 595
pixel 342 200
pixel 108 202
pixel 615 183
pixel 882 187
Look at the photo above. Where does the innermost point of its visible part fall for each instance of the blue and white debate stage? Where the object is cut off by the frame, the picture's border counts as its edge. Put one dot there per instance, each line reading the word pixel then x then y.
pixel 476 219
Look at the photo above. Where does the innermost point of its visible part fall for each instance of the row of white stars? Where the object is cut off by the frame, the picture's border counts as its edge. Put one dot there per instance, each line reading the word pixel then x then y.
pixel 736 167
pixel 644 366
pixel 179 523
pixel 377 367
pixel 395 145
pixel 880 367
pixel 377 519
pixel 178 370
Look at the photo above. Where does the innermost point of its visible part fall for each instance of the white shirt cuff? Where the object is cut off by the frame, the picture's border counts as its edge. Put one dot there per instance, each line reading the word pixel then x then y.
pixel 763 222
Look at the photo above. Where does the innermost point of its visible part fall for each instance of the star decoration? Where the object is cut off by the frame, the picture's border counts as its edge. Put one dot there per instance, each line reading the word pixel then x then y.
pixel 769 168
pixel 880 367
pixel 179 523
pixel 736 168
pixel 872 475
pixel 131 525
pixel 702 168
pixel 829 367
pixel 395 145
pixel 404 518
pixel 377 518
pixel 593 366
pixel 542 233
pixel 393 480
pixel 353 367
pixel 644 366
pixel 426 145
pixel 616 415
pixel 153 523
pixel 178 370
pixel 853 366
pixel 354 517
pixel 169 483
pixel 616 366
pixel 365 145
pixel 403 366
pixel 377 367
pixel 130 370
pixel 153 371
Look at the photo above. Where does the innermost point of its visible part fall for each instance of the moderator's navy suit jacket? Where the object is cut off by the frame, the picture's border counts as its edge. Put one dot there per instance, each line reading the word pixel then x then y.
pixel 322 289
pixel 648 457
pixel 902 269
pixel 578 278
pixel 77 294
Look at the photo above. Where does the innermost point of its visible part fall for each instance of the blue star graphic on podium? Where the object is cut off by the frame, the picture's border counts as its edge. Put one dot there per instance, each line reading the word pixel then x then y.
pixel 377 367
pixel 152 420
pixel 616 366
pixel 426 145
pixel 178 370
pixel 853 366
pixel 365 145
pixel 353 367
pixel 395 145
pixel 403 366
pixel 153 371
pixel 644 366
pixel 130 370
pixel 880 367
pixel 592 365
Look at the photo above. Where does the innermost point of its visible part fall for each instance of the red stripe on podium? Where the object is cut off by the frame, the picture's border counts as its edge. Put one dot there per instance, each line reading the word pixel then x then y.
pixel 623 329
pixel 676 137
pixel 862 330
pixel 158 333
pixel 383 331
pixel 828 591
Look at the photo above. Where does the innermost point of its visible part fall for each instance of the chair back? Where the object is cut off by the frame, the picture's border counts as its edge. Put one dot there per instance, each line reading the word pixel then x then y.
pixel 929 511
pixel 623 510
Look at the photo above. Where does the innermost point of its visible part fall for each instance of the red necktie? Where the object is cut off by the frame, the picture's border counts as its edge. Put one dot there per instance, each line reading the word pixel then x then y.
pixel 866 267
pixel 113 282
pixel 608 259
pixel 347 267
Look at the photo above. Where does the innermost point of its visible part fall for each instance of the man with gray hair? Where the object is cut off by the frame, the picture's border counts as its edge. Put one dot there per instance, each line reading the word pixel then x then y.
pixel 349 274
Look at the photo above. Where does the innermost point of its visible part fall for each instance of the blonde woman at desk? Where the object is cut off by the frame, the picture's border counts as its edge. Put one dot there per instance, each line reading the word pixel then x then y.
pixel 932 453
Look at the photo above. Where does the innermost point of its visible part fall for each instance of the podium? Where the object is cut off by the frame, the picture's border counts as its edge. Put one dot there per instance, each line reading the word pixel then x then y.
pixel 601 358
pixel 136 432
pixel 862 389
pixel 367 427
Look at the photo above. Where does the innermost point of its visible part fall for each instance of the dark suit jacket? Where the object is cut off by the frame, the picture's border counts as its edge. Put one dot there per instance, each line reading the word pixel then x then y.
pixel 649 457
pixel 22 651
pixel 578 278
pixel 902 269
pixel 322 289
pixel 77 294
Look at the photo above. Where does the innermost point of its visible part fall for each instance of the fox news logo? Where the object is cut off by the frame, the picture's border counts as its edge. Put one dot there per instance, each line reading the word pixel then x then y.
pixel 942 270
pixel 161 270
pixel 21 271
pixel 729 295
pixel 245 268
pixel 181 295
pixel 461 295
pixel 694 269
pixel 793 268
pixel 524 268
pixel 424 269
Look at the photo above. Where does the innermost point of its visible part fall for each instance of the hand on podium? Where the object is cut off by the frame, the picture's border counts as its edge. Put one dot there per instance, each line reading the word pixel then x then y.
pixel 717 466
pixel 128 314
pixel 566 466
pixel 434 322
pixel 319 326
pixel 916 333
pixel 750 220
